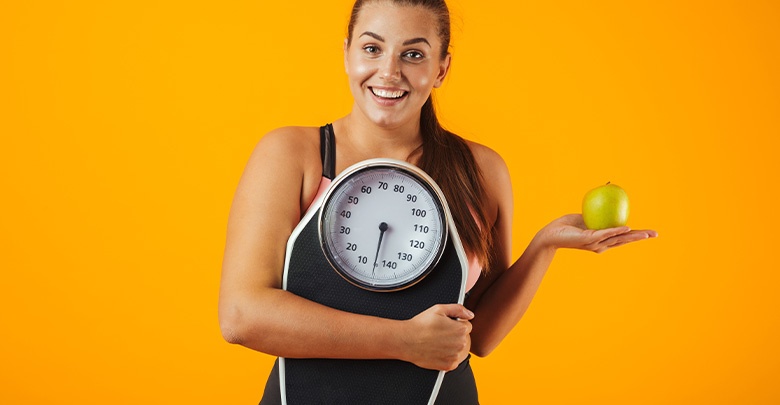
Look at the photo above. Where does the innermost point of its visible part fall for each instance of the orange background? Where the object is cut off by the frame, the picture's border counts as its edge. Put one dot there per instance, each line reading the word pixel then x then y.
pixel 125 127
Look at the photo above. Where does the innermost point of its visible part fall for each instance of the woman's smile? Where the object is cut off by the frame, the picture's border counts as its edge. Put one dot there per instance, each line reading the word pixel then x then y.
pixel 385 93
pixel 387 96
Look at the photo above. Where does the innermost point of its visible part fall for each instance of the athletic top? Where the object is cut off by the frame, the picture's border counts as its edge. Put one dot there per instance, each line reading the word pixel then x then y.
pixel 328 156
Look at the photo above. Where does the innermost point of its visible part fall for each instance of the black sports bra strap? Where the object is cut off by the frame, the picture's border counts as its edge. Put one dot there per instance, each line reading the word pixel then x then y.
pixel 328 151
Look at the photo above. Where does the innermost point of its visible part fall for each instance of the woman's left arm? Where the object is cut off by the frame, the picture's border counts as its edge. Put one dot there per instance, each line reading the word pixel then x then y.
pixel 500 298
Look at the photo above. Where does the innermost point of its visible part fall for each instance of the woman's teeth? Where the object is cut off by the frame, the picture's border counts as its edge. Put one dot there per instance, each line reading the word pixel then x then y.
pixel 387 93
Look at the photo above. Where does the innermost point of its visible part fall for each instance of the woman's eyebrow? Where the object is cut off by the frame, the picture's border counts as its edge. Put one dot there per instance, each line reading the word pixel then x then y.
pixel 416 41
pixel 372 35
pixel 407 42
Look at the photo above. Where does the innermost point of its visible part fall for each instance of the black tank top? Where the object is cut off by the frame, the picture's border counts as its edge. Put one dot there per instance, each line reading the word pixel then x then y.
pixel 458 386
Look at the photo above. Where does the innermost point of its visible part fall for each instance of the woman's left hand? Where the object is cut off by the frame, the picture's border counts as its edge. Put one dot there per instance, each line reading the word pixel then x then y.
pixel 569 231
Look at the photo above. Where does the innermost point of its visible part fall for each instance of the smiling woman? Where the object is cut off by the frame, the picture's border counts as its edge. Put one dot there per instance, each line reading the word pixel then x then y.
pixel 395 68
pixel 395 55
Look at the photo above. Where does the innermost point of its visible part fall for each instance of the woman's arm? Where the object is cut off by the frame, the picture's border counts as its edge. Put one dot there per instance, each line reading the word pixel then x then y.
pixel 255 312
pixel 500 298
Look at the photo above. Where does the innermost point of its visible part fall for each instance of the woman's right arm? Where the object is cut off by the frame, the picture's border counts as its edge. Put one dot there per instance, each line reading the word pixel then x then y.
pixel 255 312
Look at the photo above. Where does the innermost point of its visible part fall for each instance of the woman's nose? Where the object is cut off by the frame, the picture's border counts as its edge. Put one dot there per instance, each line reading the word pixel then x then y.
pixel 390 69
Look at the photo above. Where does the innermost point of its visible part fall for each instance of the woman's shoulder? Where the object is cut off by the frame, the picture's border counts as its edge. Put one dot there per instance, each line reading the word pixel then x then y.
pixel 295 150
pixel 488 160
pixel 497 180
pixel 295 144
pixel 499 199
pixel 291 137
pixel 288 155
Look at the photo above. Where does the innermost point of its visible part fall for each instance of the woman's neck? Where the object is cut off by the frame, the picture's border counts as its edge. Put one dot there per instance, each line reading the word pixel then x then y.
pixel 364 139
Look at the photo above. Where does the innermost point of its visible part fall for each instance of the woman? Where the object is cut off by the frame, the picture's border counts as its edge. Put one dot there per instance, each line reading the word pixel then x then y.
pixel 396 53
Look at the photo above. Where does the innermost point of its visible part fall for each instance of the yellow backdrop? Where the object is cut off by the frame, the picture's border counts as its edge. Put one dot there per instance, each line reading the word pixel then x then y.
pixel 125 127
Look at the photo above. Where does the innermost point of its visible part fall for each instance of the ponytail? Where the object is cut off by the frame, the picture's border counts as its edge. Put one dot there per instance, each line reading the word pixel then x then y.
pixel 447 158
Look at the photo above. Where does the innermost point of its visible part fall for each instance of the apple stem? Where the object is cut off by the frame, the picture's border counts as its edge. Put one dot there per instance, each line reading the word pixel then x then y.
pixel 608 182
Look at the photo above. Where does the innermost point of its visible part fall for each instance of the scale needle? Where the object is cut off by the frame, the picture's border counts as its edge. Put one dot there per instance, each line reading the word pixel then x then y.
pixel 382 229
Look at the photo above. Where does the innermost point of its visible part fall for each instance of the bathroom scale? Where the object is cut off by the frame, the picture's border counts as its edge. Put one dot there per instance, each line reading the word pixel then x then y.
pixel 380 241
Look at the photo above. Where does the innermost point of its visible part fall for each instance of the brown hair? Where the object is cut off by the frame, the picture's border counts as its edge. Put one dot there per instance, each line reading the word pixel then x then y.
pixel 445 156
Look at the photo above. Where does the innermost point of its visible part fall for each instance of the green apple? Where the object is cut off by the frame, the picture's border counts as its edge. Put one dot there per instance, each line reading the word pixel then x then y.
pixel 605 207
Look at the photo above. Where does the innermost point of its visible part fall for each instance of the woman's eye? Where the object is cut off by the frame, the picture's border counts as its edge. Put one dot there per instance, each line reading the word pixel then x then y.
pixel 371 49
pixel 414 55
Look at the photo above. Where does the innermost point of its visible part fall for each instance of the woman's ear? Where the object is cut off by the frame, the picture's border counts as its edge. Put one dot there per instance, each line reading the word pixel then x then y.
pixel 444 68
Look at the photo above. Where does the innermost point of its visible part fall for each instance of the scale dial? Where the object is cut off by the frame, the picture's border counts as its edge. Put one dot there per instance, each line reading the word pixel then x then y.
pixel 383 224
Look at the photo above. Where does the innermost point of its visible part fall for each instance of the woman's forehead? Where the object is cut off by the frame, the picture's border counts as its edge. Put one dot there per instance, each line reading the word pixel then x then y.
pixel 387 19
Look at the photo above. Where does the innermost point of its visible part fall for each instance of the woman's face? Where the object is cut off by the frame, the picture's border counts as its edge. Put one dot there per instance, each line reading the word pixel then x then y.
pixel 394 62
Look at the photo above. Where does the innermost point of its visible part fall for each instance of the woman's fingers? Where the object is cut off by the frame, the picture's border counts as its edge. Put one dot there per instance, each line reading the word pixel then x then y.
pixel 604 234
pixel 624 238
pixel 440 337
pixel 455 311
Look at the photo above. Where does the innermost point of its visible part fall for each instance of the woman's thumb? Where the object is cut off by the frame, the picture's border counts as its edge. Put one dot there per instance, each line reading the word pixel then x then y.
pixel 457 311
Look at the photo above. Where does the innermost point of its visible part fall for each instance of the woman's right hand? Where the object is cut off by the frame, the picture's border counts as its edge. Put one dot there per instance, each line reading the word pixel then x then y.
pixel 439 337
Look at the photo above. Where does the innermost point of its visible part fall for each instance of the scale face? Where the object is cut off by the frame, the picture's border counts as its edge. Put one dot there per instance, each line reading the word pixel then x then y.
pixel 382 225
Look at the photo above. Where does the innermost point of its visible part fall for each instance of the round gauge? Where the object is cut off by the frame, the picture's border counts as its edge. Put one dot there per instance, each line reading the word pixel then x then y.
pixel 383 225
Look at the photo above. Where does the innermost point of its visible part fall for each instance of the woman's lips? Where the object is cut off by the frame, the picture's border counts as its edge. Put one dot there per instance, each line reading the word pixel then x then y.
pixel 388 96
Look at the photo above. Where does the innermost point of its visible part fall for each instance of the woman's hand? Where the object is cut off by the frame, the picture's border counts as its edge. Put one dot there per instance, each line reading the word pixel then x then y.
pixel 439 337
pixel 569 231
